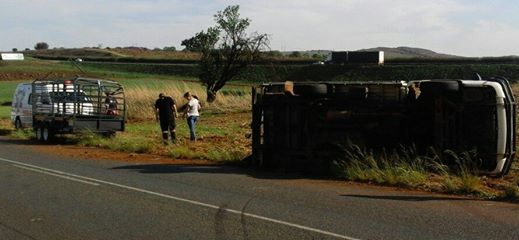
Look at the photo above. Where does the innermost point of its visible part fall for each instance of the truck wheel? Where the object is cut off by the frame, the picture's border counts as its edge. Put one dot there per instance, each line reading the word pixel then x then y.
pixel 310 89
pixel 506 168
pixel 18 123
pixel 440 86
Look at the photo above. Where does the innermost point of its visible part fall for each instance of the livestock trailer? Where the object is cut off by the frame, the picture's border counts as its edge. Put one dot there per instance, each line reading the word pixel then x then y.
pixel 71 105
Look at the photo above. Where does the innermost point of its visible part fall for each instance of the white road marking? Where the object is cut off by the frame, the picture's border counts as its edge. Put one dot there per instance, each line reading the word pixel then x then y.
pixel 56 175
pixel 207 205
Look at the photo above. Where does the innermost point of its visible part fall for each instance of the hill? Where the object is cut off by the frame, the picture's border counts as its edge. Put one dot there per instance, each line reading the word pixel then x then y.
pixel 393 53
pixel 127 52
pixel 73 52
pixel 138 54
pixel 409 52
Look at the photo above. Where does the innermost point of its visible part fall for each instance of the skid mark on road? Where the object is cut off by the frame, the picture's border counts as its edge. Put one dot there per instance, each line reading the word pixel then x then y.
pixel 197 203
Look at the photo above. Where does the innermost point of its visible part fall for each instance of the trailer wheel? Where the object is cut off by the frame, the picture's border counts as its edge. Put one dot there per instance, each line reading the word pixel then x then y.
pixel 38 133
pixel 108 134
pixel 18 123
pixel 46 134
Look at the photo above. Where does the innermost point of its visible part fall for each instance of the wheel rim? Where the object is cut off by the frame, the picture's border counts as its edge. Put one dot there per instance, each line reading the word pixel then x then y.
pixel 38 133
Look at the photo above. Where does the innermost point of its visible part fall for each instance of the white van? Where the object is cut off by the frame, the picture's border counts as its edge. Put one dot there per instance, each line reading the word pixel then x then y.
pixel 21 111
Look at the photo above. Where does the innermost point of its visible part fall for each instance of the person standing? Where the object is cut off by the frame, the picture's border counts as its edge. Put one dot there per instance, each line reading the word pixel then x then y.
pixel 192 111
pixel 165 113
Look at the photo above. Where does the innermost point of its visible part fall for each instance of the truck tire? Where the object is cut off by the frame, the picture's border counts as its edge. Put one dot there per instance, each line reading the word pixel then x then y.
pixel 506 168
pixel 18 123
pixel 310 89
pixel 440 86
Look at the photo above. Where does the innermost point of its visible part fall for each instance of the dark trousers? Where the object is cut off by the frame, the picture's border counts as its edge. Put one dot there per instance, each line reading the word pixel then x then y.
pixel 168 125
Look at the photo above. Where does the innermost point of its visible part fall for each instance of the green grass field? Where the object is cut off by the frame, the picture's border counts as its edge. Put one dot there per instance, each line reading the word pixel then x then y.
pixel 6 97
pixel 221 138
pixel 7 90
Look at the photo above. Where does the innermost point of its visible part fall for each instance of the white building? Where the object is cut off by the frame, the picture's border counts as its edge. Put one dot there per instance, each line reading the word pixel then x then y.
pixel 11 56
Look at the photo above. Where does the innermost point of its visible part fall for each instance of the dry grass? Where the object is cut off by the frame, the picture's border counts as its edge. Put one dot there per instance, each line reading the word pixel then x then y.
pixel 141 98
pixel 142 53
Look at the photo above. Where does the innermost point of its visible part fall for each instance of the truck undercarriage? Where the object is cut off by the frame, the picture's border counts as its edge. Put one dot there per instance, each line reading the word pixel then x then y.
pixel 297 125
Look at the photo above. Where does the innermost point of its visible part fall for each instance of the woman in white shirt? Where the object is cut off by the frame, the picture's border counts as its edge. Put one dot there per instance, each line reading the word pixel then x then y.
pixel 192 111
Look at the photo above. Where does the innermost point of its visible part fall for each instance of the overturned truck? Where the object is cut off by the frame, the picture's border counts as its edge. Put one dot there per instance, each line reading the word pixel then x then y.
pixel 295 125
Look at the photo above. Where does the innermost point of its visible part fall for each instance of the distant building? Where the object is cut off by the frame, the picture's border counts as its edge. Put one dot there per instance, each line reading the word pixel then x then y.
pixel 11 56
pixel 345 57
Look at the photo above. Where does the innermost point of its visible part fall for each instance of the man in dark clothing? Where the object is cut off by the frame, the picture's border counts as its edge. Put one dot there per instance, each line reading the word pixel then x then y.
pixel 166 112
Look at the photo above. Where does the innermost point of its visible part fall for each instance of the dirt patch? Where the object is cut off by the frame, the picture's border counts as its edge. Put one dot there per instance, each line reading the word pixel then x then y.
pixel 213 138
pixel 91 153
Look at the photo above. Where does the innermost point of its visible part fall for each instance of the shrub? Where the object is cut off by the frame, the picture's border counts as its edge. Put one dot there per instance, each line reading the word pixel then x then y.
pixel 170 49
pixel 22 134
pixel 401 168
pixel 41 46
pixel 405 167
pixel 295 54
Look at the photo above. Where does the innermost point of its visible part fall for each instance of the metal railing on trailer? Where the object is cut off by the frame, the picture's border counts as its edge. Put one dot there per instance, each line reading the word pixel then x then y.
pixel 69 105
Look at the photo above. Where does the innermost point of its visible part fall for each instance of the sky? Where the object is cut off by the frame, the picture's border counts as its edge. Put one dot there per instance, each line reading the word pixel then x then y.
pixel 472 28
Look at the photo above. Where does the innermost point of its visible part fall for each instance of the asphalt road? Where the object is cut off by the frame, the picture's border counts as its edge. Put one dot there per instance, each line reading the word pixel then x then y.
pixel 52 197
